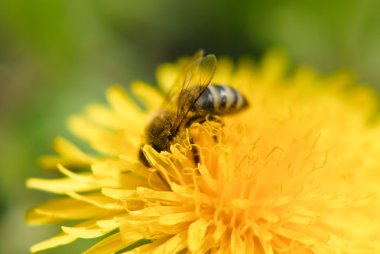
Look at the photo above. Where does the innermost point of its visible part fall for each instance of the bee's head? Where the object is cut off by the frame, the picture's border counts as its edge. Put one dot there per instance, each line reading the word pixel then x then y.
pixel 158 134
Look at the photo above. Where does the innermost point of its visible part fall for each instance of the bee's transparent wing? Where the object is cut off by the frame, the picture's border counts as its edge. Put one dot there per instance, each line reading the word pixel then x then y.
pixel 171 97
pixel 192 82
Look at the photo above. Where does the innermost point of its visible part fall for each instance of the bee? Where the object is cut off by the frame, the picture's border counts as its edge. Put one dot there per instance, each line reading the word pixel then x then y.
pixel 192 98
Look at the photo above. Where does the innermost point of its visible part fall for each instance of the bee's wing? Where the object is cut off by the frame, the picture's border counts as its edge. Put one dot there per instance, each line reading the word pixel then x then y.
pixel 195 78
pixel 171 97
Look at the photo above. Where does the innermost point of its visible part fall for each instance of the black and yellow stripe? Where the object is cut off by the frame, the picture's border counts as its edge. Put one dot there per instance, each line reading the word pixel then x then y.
pixel 220 100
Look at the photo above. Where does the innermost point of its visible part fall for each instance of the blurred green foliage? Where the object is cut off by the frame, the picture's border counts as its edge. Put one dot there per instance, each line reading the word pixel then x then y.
pixel 57 56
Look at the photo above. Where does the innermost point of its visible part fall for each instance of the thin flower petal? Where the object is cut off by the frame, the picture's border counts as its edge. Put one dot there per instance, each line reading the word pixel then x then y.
pixel 110 244
pixel 86 230
pixel 82 178
pixel 237 244
pixel 176 218
pixel 147 94
pixel 60 185
pixel 174 245
pixel 58 240
pixel 196 234
pixel 98 200
pixel 65 208
pixel 101 139
pixel 105 117
pixel 69 155
pixel 124 105
pixel 64 238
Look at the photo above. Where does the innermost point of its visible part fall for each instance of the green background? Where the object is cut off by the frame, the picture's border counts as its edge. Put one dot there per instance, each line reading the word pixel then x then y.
pixel 57 56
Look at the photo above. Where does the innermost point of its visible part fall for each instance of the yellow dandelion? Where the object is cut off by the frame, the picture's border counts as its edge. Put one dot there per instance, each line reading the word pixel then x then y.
pixel 296 172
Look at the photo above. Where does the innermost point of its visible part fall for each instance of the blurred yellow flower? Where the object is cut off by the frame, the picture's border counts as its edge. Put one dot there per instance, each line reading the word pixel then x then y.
pixel 298 172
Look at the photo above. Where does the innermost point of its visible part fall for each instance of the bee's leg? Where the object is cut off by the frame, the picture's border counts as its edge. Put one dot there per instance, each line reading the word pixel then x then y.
pixel 201 119
pixel 216 119
pixel 193 119
pixel 194 149
pixel 195 152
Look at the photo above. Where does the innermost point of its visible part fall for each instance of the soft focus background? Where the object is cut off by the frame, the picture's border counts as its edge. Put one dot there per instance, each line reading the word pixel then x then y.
pixel 57 56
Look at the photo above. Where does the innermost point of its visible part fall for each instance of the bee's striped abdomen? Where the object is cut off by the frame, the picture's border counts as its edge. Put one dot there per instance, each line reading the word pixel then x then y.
pixel 220 100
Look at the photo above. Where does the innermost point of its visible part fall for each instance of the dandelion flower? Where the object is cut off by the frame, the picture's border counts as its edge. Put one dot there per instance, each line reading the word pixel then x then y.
pixel 297 172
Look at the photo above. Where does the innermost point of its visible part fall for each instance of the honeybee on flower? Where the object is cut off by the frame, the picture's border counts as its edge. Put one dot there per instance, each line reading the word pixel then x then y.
pixel 192 98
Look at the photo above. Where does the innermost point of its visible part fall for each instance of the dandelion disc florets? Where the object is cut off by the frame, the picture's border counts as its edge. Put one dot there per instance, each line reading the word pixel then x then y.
pixel 296 172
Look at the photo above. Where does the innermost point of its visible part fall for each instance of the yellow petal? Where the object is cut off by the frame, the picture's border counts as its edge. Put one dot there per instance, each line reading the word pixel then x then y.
pixel 176 218
pixel 184 191
pixel 137 175
pixel 88 229
pixel 262 232
pixel 65 208
pixel 123 104
pixel 147 248
pixel 70 155
pixel 107 173
pixel 219 231
pixel 174 245
pixel 103 116
pixel 296 235
pixel 63 238
pixel 120 173
pixel 82 178
pixel 98 200
pixel 166 76
pixel 149 95
pixel 130 237
pixel 68 149
pixel 110 223
pixel 110 244
pixel 51 162
pixel 104 140
pixel 120 193
pixel 162 164
pixel 155 159
pixel 237 244
pixel 153 195
pixel 55 241
pixel 196 234
pixel 141 193
pixel 86 130
pixel 60 185
pixel 33 217
pixel 210 182
pixel 267 246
